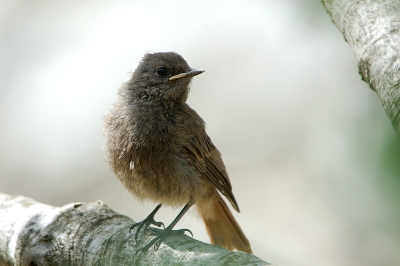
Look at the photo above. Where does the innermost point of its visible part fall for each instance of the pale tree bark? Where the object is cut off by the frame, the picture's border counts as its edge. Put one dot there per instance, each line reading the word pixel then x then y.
pixel 33 233
pixel 372 28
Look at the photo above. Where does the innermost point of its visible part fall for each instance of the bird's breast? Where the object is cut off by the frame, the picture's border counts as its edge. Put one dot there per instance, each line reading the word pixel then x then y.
pixel 158 165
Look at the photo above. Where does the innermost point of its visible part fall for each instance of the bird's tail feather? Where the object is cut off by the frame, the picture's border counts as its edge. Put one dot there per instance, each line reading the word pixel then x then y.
pixel 224 230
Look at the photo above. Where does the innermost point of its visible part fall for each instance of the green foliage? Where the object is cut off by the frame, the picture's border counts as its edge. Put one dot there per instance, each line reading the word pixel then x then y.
pixel 389 162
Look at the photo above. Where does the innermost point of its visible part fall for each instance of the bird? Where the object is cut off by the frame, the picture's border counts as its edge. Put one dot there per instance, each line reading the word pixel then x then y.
pixel 157 146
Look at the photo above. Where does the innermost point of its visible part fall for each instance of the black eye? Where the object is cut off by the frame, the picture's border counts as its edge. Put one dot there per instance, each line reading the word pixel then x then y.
pixel 162 71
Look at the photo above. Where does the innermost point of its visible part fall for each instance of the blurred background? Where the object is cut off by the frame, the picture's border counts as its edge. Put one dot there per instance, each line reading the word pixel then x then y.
pixel 312 156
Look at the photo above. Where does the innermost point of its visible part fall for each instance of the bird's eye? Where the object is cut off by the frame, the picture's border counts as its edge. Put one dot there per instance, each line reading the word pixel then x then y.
pixel 162 71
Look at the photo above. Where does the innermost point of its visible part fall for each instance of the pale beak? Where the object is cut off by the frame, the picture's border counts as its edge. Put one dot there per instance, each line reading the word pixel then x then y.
pixel 190 73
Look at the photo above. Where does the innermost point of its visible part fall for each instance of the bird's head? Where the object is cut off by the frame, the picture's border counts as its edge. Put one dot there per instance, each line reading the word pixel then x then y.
pixel 164 76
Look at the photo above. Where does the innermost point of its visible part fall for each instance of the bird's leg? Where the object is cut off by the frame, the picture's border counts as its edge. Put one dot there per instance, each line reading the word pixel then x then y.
pixel 158 239
pixel 147 222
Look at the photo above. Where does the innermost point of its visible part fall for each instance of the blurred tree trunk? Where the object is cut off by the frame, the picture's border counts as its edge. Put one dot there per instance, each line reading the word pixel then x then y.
pixel 33 233
pixel 372 28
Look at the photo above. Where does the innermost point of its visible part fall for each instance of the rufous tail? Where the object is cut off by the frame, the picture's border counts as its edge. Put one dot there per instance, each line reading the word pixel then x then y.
pixel 224 230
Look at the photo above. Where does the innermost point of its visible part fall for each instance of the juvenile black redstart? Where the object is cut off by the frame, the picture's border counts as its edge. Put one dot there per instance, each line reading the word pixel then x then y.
pixel 158 147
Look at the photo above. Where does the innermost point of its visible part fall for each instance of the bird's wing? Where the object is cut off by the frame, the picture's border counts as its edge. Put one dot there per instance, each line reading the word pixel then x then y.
pixel 206 159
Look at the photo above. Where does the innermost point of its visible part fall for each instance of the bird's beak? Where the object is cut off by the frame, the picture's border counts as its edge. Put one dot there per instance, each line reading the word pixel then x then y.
pixel 190 73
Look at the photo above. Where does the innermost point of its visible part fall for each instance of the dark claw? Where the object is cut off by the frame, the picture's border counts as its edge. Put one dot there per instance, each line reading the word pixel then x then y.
pixel 182 231
pixel 138 230
pixel 159 238
pixel 146 223
pixel 158 224
pixel 133 227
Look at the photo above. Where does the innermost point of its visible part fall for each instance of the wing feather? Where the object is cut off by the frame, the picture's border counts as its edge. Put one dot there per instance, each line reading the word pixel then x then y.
pixel 207 161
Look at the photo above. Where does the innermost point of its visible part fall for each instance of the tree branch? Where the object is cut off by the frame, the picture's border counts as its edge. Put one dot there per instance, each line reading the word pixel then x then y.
pixel 33 233
pixel 372 28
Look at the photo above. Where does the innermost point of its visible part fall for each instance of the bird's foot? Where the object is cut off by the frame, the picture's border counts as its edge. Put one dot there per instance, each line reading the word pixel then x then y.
pixel 144 225
pixel 159 238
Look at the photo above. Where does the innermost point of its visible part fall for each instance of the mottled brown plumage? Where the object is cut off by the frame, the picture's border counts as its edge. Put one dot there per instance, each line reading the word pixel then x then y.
pixel 158 147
